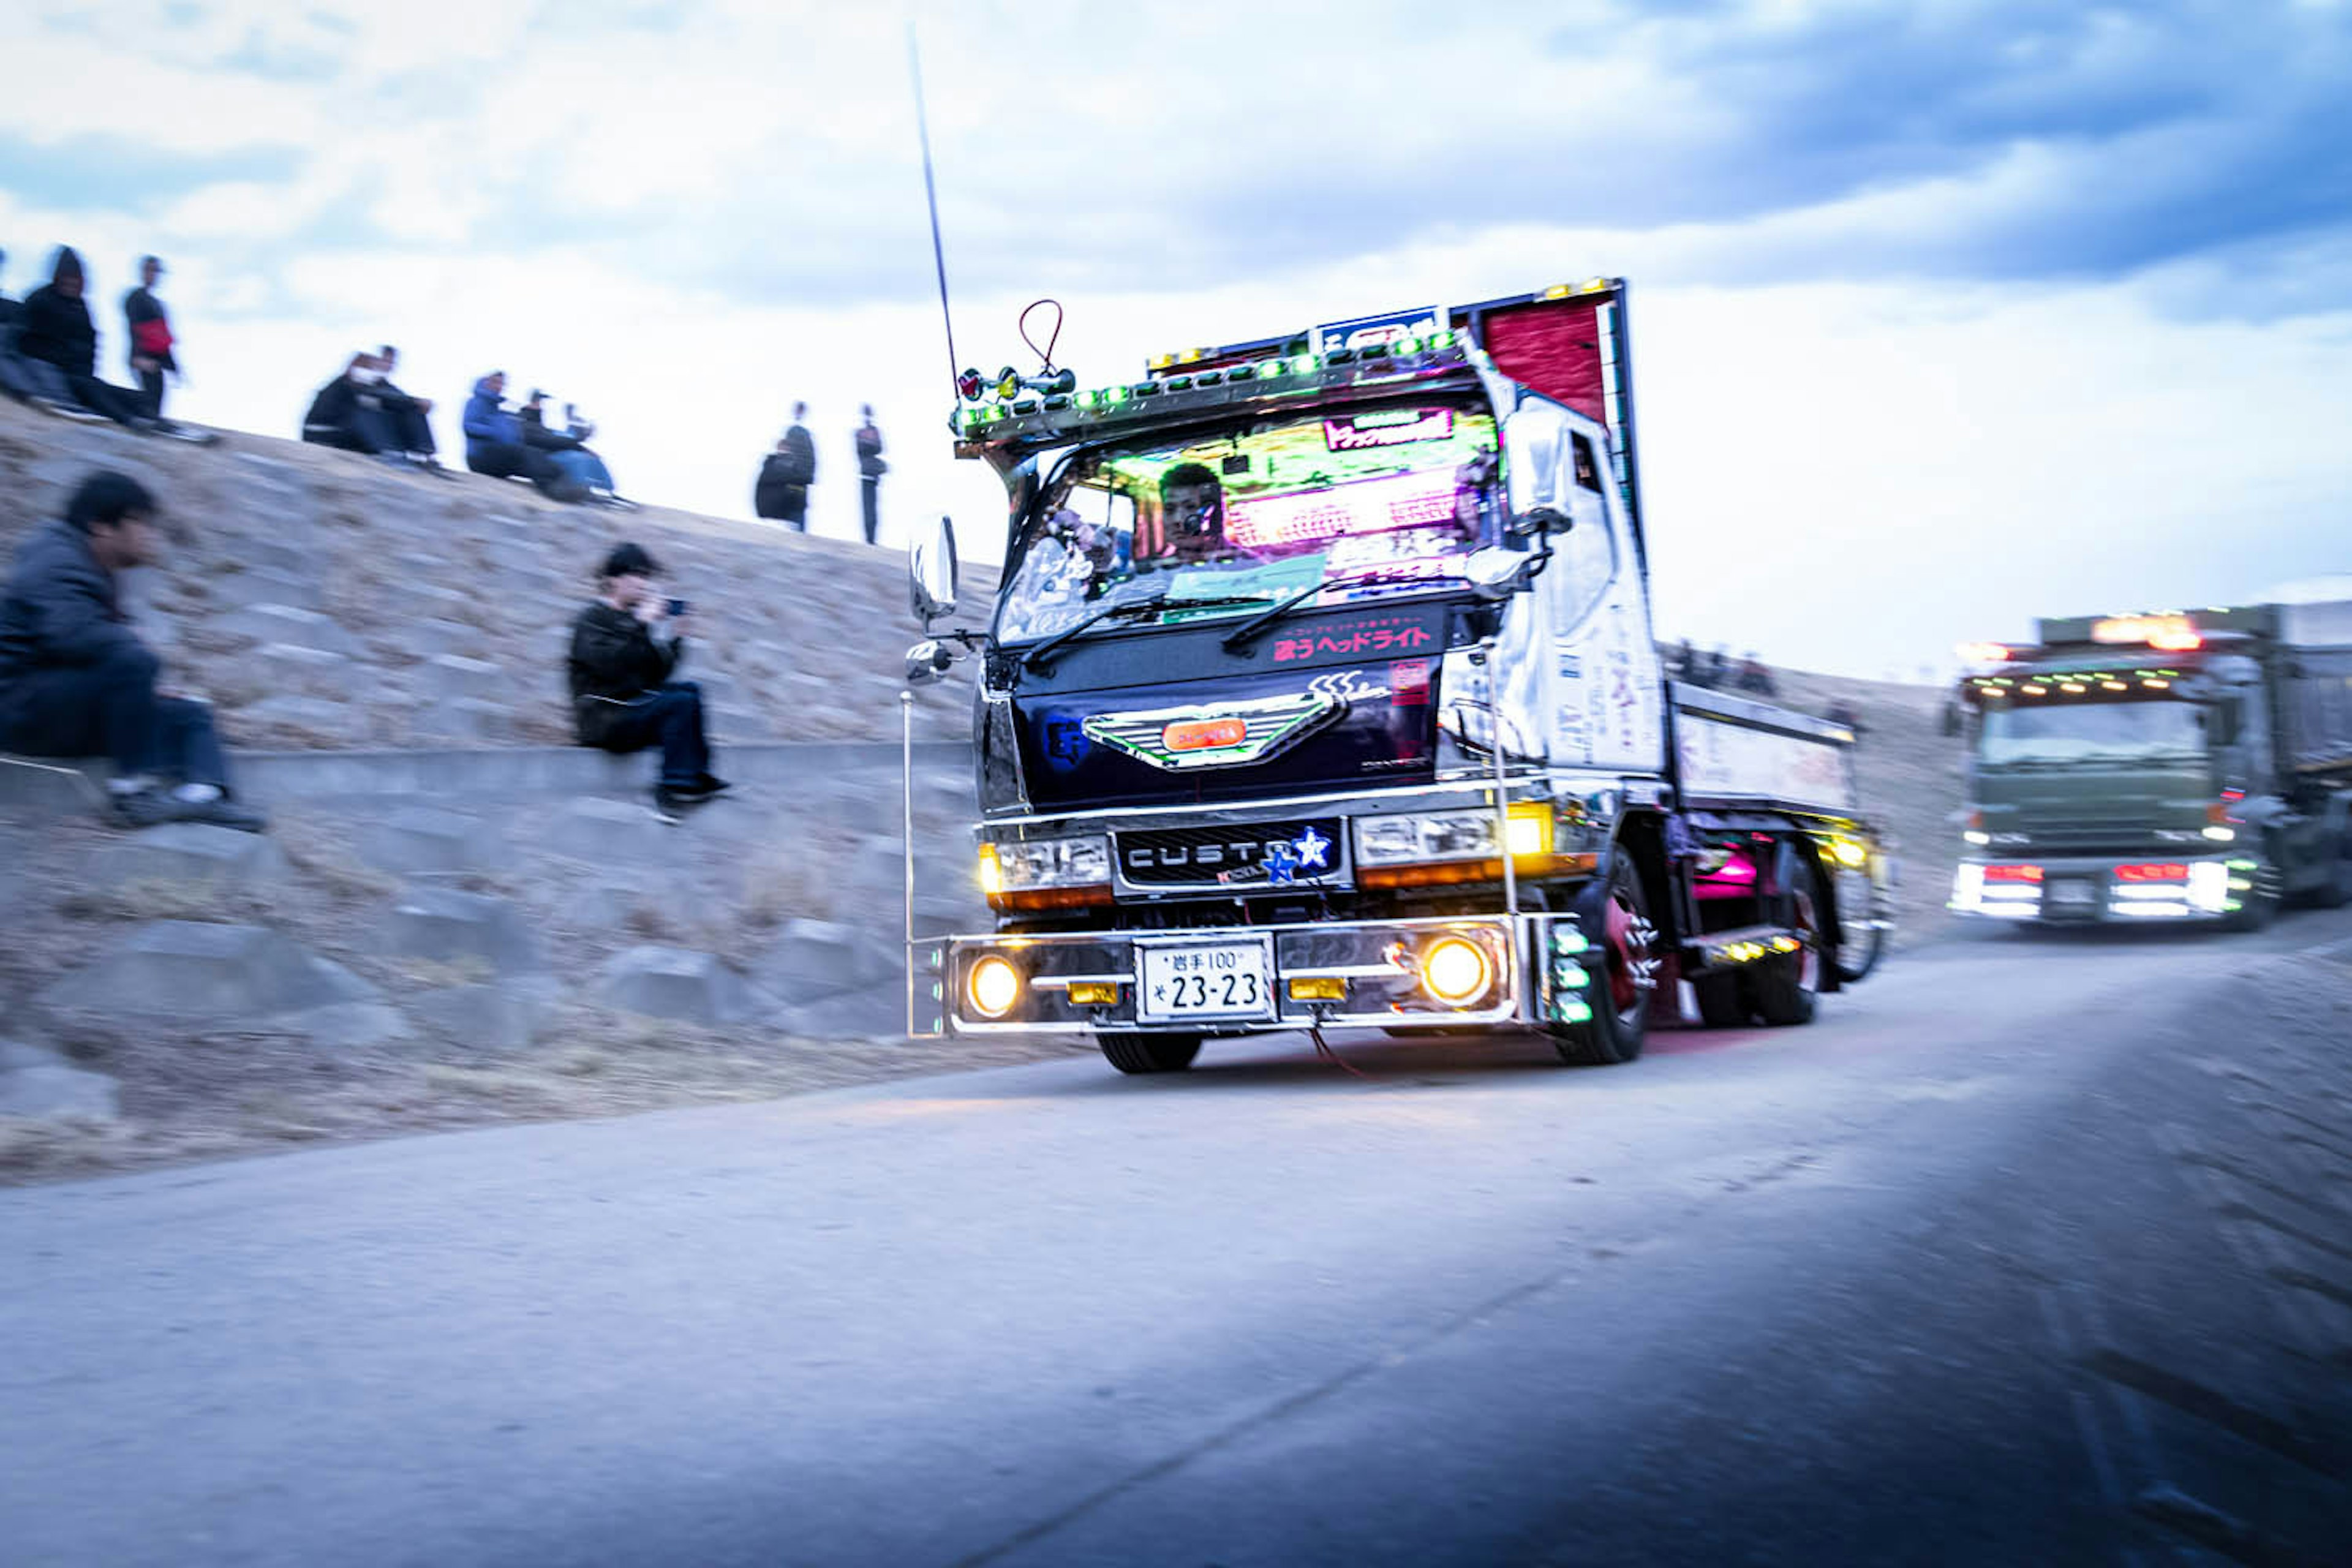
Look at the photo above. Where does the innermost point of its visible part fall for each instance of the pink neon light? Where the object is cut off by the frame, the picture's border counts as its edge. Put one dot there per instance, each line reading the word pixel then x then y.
pixel 1364 505
pixel 1735 879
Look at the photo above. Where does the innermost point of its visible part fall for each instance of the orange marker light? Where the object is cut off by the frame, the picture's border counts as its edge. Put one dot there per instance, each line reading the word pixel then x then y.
pixel 1204 734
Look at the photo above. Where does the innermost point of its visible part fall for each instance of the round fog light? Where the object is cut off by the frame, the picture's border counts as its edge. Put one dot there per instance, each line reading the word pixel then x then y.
pixel 994 986
pixel 1455 971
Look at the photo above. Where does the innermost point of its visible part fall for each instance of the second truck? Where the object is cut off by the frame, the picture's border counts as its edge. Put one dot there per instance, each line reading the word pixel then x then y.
pixel 1321 693
pixel 2191 766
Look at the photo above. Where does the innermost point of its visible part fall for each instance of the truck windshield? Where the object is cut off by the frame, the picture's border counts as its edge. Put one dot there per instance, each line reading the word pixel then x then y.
pixel 1370 501
pixel 2136 732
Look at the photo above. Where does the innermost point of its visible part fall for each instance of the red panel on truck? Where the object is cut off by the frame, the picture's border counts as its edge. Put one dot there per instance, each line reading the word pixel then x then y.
pixel 1554 347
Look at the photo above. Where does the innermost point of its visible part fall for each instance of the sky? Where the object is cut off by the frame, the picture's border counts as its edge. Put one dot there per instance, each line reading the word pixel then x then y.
pixel 1945 314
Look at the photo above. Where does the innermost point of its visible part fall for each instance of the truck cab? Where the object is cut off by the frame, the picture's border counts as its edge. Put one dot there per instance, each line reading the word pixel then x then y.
pixel 1321 692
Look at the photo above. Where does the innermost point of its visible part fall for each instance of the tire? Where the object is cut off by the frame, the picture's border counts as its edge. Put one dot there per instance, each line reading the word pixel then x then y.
pixel 2337 891
pixel 1629 966
pixel 1787 987
pixel 1721 1001
pixel 1141 1052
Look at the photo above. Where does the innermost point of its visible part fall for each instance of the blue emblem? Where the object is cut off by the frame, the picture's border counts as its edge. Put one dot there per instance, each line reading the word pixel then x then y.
pixel 1061 737
pixel 1281 866
pixel 1312 850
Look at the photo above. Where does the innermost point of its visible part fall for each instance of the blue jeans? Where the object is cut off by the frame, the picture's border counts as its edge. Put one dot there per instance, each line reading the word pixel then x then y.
pixel 110 710
pixel 672 718
pixel 581 464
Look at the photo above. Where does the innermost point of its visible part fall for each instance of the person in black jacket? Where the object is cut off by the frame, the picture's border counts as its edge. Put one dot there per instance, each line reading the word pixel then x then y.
pixel 360 411
pixel 871 467
pixel 781 493
pixel 55 330
pixel 76 681
pixel 622 698
pixel 151 337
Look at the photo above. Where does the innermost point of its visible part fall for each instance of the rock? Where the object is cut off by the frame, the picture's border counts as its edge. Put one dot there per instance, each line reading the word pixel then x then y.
pixel 53 1090
pixel 819 958
pixel 589 829
pixel 877 1014
pixel 422 841
pixel 193 852
pixel 287 665
pixel 336 722
pixel 343 1025
pixel 445 925
pixel 188 970
pixel 449 675
pixel 673 982
pixel 507 1017
pixel 289 625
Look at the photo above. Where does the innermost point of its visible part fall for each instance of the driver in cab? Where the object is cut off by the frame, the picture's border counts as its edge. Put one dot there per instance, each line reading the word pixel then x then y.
pixel 1192 515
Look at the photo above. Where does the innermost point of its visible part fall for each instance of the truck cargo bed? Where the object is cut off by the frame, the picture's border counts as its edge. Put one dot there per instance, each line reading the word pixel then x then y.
pixel 1735 751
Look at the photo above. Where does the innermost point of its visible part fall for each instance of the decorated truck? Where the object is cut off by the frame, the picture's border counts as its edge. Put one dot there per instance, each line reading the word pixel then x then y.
pixel 2182 766
pixel 1320 693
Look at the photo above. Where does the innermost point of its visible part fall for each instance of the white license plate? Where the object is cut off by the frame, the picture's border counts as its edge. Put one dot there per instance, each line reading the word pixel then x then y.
pixel 2072 895
pixel 1206 980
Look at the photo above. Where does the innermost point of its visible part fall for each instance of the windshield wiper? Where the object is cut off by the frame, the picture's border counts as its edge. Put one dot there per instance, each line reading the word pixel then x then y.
pixel 1242 635
pixel 1038 657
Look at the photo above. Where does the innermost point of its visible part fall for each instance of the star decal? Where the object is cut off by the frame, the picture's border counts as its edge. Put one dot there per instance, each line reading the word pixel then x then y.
pixel 1312 849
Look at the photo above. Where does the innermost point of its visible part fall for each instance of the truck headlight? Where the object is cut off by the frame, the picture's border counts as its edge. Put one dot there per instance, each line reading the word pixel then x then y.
pixel 1045 863
pixel 1417 837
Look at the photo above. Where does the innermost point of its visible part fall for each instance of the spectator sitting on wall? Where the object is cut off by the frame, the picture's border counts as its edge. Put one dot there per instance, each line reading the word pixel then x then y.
pixel 57 343
pixel 76 681
pixel 359 411
pixel 411 416
pixel 622 698
pixel 1754 677
pixel 495 445
pixel 781 493
pixel 568 447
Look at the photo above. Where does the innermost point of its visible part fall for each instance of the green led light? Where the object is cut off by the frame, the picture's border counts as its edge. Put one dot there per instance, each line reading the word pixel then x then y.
pixel 1441 340
pixel 1568 939
pixel 1408 346
pixel 1576 977
pixel 1276 367
pixel 1117 394
pixel 1572 1012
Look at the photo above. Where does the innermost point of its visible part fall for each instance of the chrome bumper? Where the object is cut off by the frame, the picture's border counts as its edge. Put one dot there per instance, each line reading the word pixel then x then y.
pixel 1376 959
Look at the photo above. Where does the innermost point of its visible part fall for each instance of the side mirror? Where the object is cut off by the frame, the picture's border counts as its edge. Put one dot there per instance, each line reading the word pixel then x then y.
pixel 1540 520
pixel 927 660
pixel 932 572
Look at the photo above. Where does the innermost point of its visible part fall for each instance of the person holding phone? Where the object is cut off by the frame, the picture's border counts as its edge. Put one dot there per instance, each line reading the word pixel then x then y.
pixel 626 647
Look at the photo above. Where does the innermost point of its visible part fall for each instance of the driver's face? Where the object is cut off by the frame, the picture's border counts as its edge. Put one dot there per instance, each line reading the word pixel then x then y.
pixel 1194 516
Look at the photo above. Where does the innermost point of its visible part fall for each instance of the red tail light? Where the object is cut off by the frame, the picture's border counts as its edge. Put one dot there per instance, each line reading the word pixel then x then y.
pixel 2012 873
pixel 2167 872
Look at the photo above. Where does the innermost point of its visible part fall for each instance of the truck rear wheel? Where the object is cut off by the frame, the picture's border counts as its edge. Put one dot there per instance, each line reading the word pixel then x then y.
pixel 1722 1001
pixel 1150 1053
pixel 1620 1026
pixel 1787 986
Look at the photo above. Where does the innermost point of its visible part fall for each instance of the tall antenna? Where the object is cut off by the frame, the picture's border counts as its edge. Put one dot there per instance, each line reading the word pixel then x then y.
pixel 932 195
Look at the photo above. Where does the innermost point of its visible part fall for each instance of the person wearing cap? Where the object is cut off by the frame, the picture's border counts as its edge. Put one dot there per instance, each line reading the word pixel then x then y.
pixel 76 681
pixel 624 647
pixel 151 337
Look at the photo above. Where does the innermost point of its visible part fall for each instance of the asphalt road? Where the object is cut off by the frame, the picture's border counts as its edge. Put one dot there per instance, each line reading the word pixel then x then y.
pixel 2026 1252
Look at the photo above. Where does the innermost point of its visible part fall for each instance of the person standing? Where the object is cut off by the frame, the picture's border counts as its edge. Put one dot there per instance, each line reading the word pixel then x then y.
pixel 785 477
pixel 151 337
pixel 870 469
pixel 76 681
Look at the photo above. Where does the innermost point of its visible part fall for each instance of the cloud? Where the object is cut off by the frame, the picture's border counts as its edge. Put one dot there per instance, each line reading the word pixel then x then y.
pixel 102 170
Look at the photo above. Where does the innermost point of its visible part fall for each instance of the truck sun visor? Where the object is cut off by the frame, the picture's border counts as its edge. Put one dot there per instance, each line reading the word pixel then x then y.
pixel 1553 347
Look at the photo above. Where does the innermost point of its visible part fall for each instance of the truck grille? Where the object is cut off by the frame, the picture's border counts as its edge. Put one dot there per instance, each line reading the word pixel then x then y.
pixel 1232 855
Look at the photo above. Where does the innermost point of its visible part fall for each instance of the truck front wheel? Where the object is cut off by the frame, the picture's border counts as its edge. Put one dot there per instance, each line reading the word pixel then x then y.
pixel 1150 1053
pixel 1628 967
